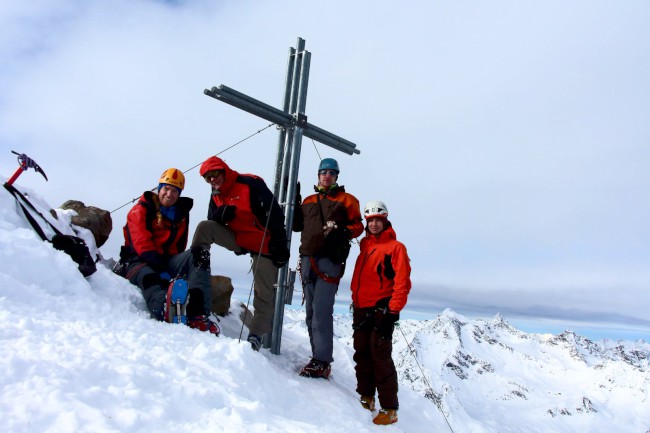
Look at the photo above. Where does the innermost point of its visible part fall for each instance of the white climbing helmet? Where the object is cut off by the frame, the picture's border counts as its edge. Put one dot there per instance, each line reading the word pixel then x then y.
pixel 375 209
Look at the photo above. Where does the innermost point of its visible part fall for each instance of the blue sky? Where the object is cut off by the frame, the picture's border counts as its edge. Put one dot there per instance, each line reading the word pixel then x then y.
pixel 508 139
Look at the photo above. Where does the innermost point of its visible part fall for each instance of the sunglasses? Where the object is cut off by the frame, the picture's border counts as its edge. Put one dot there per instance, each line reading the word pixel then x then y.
pixel 212 174
pixel 330 172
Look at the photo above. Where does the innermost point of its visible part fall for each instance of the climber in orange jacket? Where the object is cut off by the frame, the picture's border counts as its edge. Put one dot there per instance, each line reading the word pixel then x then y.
pixel 380 286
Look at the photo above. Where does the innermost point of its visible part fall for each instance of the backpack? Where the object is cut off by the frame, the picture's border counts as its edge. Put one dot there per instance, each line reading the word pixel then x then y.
pixel 73 246
pixel 77 249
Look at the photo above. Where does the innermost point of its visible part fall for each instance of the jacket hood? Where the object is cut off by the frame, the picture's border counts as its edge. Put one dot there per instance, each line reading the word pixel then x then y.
pixel 215 163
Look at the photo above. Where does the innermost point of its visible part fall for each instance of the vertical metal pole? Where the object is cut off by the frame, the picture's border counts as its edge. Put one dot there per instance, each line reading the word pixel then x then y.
pixel 284 140
pixel 294 163
pixel 283 130
pixel 293 94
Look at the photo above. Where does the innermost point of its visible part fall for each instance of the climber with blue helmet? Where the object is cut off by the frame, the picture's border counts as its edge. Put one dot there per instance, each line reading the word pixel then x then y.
pixel 328 220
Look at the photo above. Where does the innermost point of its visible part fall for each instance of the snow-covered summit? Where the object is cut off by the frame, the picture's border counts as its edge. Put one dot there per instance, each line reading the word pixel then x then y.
pixel 82 355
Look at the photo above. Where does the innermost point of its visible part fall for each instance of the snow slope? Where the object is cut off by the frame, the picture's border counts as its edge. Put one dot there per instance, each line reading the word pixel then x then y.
pixel 82 355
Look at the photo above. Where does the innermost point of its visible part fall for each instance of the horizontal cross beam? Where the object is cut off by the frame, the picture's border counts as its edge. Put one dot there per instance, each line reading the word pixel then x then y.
pixel 279 117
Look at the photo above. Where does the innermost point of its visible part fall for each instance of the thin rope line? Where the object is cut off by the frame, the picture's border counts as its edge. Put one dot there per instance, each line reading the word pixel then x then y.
pixel 193 167
pixel 248 302
pixel 316 149
pixel 230 147
pixel 426 381
pixel 257 262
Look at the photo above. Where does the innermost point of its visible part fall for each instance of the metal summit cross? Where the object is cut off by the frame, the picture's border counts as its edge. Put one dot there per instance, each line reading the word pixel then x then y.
pixel 293 126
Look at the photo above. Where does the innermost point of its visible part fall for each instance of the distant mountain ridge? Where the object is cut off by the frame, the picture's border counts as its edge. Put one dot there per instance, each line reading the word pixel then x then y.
pixel 482 369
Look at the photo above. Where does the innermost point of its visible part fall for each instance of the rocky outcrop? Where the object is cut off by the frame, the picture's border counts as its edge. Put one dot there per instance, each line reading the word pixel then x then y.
pixel 222 289
pixel 97 220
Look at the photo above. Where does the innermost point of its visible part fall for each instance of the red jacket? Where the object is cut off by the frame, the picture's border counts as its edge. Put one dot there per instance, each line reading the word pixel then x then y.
pixel 254 201
pixel 382 270
pixel 146 229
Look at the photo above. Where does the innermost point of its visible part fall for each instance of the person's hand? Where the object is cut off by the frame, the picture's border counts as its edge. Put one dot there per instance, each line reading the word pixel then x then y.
pixel 224 213
pixel 328 227
pixel 154 260
pixel 279 252
pixel 385 323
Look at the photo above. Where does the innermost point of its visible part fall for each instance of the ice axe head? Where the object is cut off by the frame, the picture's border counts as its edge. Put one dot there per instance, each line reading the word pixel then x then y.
pixel 25 162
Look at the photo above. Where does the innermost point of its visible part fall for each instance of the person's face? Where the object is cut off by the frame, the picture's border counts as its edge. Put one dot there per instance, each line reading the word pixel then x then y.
pixel 376 225
pixel 168 195
pixel 327 178
pixel 215 178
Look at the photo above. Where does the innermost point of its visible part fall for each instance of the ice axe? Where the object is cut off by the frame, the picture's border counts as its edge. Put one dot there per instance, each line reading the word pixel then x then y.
pixel 25 162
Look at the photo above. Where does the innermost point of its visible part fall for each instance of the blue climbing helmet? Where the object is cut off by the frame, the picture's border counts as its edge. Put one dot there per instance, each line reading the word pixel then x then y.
pixel 329 164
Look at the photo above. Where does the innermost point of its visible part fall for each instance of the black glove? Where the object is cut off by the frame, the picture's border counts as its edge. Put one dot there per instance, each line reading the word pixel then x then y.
pixel 224 213
pixel 126 254
pixel 298 218
pixel 279 251
pixel 385 323
pixel 164 279
pixel 154 260
pixel 298 196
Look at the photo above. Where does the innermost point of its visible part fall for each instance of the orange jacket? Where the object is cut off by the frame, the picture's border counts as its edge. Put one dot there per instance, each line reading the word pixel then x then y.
pixel 146 229
pixel 382 270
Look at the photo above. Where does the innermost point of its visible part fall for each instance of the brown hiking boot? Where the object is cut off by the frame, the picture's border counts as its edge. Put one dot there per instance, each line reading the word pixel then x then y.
pixel 316 369
pixel 368 402
pixel 386 416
